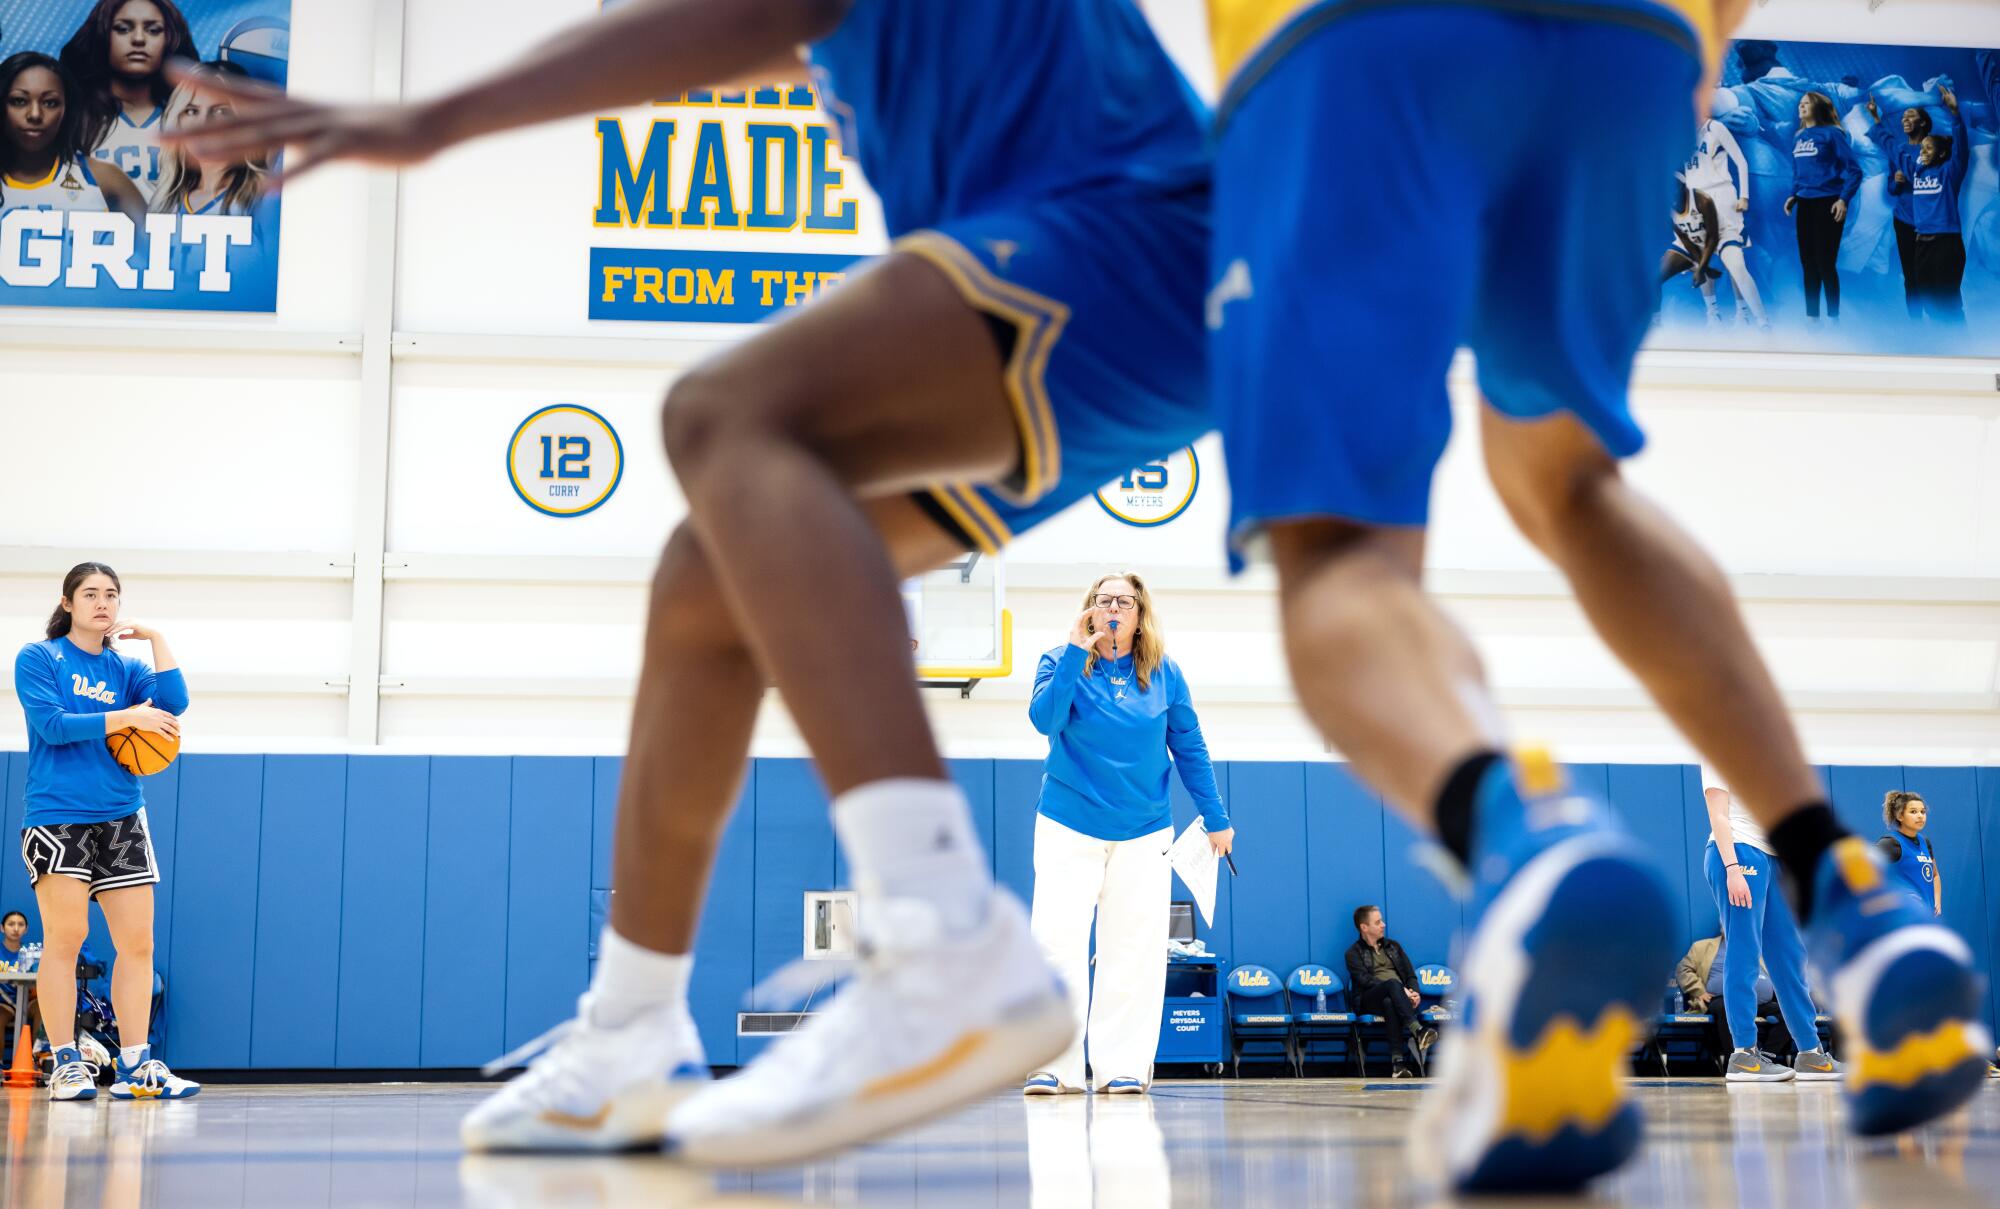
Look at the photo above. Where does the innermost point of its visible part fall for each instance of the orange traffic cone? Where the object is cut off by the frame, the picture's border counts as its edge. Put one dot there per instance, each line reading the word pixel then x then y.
pixel 22 1073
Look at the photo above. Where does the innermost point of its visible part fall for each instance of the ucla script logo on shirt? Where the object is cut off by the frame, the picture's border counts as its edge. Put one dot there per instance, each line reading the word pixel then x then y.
pixel 1155 493
pixel 565 460
pixel 96 692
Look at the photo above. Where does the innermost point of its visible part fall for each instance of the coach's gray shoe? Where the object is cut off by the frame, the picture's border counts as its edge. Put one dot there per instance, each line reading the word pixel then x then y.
pixel 1816 1066
pixel 1749 1066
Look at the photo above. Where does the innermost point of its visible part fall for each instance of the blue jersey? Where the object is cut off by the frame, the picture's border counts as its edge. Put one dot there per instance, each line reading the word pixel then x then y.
pixel 1823 164
pixel 1912 863
pixel 1109 742
pixel 954 108
pixel 65 691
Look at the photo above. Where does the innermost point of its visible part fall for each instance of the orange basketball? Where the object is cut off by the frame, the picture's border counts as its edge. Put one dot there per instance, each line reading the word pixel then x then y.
pixel 142 753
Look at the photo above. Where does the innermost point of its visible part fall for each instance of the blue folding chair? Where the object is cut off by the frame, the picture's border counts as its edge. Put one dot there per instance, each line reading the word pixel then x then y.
pixel 1260 1016
pixel 1683 1036
pixel 1321 1025
pixel 1436 982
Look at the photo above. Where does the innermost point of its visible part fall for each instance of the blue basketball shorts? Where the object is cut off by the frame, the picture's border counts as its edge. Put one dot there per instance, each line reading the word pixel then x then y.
pixel 1096 296
pixel 1405 180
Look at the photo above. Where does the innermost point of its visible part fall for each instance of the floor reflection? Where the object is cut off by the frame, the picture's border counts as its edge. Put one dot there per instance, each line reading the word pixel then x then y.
pixel 1096 1152
pixel 1283 1143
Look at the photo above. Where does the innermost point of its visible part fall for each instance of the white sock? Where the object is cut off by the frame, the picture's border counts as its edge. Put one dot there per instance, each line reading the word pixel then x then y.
pixel 632 980
pixel 912 838
pixel 130 1055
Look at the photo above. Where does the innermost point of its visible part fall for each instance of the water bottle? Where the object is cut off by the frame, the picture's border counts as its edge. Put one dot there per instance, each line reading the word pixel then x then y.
pixel 1321 1002
pixel 1680 1001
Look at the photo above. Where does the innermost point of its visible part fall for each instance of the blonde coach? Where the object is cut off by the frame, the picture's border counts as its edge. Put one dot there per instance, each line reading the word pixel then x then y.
pixel 1118 716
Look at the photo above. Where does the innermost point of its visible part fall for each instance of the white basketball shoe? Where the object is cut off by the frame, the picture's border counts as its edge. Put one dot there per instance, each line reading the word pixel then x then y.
pixel 593 1088
pixel 929 1022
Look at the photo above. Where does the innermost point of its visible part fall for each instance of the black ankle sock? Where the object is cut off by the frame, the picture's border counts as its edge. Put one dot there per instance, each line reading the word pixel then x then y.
pixel 1801 840
pixel 1454 805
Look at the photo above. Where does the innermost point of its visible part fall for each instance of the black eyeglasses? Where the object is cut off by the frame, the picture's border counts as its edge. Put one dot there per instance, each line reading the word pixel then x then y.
pixel 1126 603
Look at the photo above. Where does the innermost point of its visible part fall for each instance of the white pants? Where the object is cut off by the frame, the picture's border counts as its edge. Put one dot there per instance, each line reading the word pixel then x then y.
pixel 1126 885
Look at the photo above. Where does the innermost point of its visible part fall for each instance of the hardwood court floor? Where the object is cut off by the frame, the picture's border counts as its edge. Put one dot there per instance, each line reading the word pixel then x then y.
pixel 1282 1143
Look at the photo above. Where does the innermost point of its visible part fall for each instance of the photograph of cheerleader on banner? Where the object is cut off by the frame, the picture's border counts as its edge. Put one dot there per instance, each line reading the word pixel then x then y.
pixel 1841 199
pixel 94 211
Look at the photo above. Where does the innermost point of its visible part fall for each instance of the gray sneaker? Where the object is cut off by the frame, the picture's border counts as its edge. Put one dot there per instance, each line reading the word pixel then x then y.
pixel 1749 1066
pixel 1816 1066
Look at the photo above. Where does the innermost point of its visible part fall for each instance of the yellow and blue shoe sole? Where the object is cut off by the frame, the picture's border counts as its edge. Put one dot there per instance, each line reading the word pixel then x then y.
pixel 1559 971
pixel 140 1091
pixel 1910 1007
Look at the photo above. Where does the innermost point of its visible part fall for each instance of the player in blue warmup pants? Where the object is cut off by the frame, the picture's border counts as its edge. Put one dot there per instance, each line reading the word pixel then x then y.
pixel 1759 935
pixel 1033 333
pixel 1335 308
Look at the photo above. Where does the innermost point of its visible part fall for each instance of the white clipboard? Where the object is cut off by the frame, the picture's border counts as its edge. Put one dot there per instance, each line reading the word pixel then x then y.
pixel 1194 861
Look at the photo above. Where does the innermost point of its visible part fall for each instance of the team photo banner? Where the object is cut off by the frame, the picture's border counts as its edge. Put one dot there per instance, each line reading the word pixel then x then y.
pixel 1815 223
pixel 94 211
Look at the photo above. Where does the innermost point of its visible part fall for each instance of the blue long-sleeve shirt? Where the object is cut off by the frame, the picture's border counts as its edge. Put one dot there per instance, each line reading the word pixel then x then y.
pixel 1933 190
pixel 1109 746
pixel 1823 164
pixel 65 691
pixel 1899 194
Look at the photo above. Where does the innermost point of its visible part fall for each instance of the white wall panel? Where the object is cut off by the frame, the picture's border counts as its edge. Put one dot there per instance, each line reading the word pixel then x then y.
pixel 176 451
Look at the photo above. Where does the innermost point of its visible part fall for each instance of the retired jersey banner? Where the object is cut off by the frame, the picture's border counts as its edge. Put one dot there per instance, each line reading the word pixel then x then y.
pixel 1841 199
pixel 94 211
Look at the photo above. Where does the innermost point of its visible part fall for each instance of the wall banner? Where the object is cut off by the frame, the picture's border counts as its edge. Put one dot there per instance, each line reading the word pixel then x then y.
pixel 1818 226
pixel 724 207
pixel 94 212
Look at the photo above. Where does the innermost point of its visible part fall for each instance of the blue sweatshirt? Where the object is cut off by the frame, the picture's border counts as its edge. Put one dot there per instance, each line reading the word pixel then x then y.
pixel 65 691
pixel 1823 164
pixel 1109 744
pixel 1934 190
pixel 1899 194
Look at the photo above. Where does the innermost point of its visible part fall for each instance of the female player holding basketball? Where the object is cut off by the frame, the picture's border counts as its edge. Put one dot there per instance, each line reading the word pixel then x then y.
pixel 118 58
pixel 85 835
pixel 1118 716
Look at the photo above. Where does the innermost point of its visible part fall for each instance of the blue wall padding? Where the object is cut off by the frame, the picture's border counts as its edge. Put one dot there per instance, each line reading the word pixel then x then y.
pixel 416 911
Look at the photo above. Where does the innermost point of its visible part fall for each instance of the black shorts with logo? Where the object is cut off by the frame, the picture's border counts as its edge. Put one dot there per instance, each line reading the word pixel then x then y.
pixel 108 855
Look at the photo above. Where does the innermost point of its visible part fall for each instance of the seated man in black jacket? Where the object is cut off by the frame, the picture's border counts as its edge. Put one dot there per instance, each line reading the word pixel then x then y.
pixel 1381 982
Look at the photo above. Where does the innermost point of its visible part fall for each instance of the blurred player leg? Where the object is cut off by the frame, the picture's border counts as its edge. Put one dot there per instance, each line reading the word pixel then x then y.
pixel 888 384
pixel 633 1053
